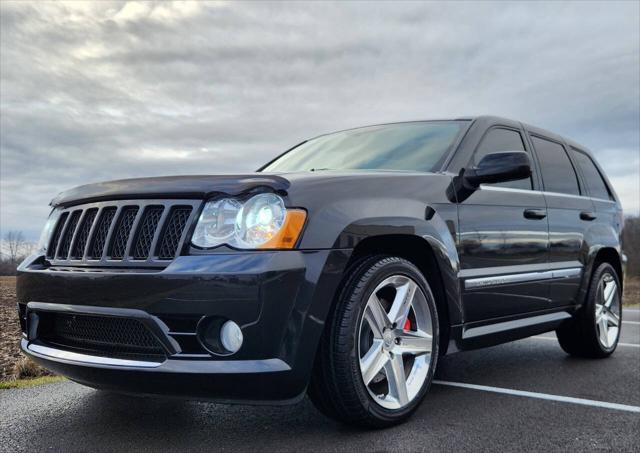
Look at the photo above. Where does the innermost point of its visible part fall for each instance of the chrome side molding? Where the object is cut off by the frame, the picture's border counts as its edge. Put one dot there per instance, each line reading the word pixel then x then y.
pixel 522 277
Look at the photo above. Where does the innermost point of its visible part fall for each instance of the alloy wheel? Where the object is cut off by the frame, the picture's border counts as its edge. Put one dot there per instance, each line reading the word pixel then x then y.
pixel 607 311
pixel 395 342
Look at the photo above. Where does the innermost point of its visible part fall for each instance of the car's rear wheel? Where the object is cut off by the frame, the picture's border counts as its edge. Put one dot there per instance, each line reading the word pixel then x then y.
pixel 595 329
pixel 379 351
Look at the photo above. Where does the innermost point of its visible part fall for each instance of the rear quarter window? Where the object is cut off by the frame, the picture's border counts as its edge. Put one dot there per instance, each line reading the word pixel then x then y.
pixel 592 177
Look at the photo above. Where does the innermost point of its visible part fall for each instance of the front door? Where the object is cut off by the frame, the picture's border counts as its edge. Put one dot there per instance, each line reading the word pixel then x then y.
pixel 503 242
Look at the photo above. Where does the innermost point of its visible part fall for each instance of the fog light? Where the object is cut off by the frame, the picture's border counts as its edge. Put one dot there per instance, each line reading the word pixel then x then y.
pixel 231 336
pixel 219 336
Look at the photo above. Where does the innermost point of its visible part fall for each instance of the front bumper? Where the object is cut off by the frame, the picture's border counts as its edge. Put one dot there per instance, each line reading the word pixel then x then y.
pixel 256 381
pixel 279 298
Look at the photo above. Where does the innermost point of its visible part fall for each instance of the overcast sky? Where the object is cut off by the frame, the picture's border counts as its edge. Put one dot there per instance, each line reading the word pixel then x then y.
pixel 98 91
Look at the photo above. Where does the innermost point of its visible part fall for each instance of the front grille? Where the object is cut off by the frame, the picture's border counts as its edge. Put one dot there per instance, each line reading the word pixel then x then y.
pixel 99 335
pixel 121 233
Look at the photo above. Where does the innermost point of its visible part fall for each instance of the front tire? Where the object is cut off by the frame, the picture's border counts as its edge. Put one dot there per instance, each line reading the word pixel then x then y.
pixel 595 330
pixel 378 354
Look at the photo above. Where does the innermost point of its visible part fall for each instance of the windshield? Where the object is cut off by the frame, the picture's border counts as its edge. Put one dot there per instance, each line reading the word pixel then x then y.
pixel 416 146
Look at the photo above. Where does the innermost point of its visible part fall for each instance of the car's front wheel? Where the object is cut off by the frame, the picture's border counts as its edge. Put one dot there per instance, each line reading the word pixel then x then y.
pixel 379 350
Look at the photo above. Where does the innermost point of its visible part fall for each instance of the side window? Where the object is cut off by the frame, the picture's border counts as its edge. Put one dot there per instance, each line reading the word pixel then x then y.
pixel 592 177
pixel 497 140
pixel 558 174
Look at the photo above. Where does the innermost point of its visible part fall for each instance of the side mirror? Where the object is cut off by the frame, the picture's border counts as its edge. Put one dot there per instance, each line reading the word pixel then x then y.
pixel 494 167
pixel 498 167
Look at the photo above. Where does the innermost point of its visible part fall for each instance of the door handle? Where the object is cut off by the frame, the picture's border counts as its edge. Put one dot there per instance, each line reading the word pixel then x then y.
pixel 587 215
pixel 536 214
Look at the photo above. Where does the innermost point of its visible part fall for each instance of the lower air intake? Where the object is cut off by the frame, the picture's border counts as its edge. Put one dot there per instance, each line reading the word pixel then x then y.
pixel 105 336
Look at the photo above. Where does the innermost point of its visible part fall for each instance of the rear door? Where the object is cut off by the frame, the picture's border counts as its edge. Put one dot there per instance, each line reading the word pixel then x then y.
pixel 603 230
pixel 503 238
pixel 570 211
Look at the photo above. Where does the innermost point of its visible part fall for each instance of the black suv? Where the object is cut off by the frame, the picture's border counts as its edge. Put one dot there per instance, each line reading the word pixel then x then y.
pixel 342 269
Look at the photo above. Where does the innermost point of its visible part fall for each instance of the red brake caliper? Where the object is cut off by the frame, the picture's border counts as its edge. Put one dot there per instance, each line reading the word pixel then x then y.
pixel 407 325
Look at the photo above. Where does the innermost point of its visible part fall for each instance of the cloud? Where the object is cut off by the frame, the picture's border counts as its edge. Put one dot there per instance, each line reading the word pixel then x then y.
pixel 103 90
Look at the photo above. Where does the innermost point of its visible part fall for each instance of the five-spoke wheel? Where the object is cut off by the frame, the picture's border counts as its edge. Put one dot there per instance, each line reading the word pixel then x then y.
pixel 395 341
pixel 607 311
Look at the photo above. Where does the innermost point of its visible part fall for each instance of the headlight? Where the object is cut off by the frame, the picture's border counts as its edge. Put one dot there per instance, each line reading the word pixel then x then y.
pixel 45 236
pixel 217 223
pixel 262 222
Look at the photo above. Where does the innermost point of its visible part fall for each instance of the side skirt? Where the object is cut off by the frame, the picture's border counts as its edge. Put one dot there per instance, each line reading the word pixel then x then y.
pixel 502 330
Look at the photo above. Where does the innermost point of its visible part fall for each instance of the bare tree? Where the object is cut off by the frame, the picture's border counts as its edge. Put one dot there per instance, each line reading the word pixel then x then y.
pixel 16 246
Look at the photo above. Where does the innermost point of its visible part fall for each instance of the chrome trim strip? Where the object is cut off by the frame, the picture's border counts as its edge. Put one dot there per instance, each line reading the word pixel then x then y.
pixel 507 189
pixel 195 366
pixel 90 359
pixel 567 273
pixel 566 195
pixel 515 324
pixel 543 192
pixel 521 278
pixel 517 269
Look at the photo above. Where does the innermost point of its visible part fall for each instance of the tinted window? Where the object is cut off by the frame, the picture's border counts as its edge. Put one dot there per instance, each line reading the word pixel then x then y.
pixel 592 177
pixel 497 140
pixel 557 171
pixel 417 146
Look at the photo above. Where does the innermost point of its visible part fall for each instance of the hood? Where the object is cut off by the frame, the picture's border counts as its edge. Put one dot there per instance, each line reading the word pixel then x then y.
pixel 187 187
pixel 205 186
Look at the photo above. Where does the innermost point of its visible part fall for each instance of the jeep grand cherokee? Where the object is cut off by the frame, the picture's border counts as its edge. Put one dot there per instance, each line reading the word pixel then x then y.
pixel 342 269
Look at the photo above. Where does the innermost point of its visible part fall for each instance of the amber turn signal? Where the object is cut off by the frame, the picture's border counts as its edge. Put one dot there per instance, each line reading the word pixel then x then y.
pixel 290 231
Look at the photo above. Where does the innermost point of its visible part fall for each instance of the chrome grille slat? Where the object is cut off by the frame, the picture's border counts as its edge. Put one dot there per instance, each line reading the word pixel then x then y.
pixel 68 234
pixel 99 239
pixel 123 233
pixel 172 234
pixel 147 231
pixel 158 234
pixel 82 235
pixel 124 227
pixel 55 237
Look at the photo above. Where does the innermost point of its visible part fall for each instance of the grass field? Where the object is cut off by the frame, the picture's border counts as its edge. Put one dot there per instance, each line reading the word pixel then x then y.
pixel 10 330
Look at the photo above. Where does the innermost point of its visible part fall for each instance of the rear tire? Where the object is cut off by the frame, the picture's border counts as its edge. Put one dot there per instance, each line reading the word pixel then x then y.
pixel 378 353
pixel 595 330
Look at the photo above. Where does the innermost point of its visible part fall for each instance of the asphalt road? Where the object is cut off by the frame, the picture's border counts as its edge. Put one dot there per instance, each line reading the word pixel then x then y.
pixel 68 417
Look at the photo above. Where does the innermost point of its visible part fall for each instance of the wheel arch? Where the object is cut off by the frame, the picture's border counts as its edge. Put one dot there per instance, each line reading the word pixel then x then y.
pixel 604 254
pixel 424 253
pixel 609 255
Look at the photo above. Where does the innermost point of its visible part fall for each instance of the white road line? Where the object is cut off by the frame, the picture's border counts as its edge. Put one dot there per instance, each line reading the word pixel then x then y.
pixel 635 323
pixel 543 396
pixel 630 310
pixel 537 337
